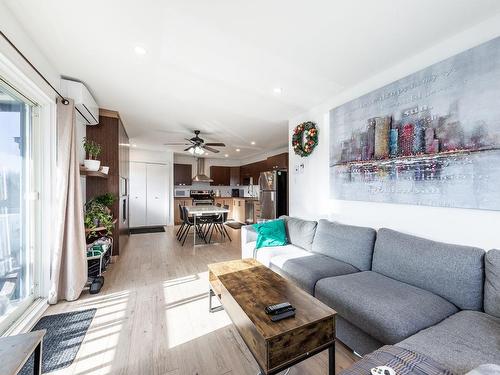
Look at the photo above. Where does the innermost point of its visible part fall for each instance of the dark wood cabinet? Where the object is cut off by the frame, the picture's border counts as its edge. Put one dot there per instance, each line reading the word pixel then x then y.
pixel 278 162
pixel 112 136
pixel 253 171
pixel 234 176
pixel 220 175
pixel 182 174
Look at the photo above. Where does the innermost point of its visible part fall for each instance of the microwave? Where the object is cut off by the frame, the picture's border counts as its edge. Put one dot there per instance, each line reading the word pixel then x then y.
pixel 182 193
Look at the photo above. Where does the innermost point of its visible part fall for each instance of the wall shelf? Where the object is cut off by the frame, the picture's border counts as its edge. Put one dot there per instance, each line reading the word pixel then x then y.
pixel 85 172
pixel 97 229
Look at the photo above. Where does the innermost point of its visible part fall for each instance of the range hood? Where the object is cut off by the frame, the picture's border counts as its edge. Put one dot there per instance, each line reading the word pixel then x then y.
pixel 200 172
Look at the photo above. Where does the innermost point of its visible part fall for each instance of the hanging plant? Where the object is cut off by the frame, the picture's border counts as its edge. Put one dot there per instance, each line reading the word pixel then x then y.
pixel 305 138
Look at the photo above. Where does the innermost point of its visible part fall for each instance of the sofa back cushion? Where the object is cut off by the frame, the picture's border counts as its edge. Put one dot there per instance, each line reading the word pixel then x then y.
pixel 453 272
pixel 300 232
pixel 492 283
pixel 348 243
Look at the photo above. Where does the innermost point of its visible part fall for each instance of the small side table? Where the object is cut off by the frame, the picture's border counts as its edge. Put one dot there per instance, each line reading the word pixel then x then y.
pixel 16 350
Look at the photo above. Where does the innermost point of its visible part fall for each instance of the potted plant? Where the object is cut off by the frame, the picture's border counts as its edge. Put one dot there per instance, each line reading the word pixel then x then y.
pixel 92 149
pixel 97 215
pixel 106 199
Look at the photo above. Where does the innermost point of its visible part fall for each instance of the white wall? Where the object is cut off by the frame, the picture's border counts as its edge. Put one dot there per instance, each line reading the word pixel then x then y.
pixel 309 191
pixel 12 29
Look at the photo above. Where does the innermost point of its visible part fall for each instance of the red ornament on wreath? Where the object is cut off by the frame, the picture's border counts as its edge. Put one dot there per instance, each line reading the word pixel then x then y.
pixel 305 138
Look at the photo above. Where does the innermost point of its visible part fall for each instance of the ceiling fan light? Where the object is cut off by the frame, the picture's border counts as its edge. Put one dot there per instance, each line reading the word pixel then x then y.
pixel 198 150
pixel 191 151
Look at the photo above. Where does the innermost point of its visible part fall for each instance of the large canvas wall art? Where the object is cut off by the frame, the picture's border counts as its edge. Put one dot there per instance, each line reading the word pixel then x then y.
pixel 431 138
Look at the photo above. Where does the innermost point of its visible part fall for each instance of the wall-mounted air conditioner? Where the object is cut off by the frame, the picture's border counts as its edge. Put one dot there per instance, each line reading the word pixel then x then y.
pixel 86 107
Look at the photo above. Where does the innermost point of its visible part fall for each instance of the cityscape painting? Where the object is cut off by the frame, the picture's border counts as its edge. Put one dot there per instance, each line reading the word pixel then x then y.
pixel 431 138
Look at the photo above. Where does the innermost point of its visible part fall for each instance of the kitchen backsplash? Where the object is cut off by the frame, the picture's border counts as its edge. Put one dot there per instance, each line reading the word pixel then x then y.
pixel 225 191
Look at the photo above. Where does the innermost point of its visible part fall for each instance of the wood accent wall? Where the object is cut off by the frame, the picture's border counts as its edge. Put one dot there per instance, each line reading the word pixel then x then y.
pixel 112 136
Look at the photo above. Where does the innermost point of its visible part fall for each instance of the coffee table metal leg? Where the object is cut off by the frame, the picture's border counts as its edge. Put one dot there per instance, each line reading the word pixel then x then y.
pixel 210 308
pixel 37 366
pixel 331 359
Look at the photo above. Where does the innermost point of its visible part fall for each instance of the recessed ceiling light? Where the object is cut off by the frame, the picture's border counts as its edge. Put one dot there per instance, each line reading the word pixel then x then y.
pixel 252 143
pixel 139 50
pixel 278 90
pixel 226 155
pixel 237 150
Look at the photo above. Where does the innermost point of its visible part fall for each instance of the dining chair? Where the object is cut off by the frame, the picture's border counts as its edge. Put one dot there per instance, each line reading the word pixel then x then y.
pixel 181 227
pixel 189 223
pixel 218 224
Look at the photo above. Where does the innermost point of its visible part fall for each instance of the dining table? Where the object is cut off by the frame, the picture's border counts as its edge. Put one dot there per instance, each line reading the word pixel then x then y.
pixel 203 210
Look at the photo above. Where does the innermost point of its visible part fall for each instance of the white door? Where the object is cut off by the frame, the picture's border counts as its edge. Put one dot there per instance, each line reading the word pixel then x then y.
pixel 137 195
pixel 157 194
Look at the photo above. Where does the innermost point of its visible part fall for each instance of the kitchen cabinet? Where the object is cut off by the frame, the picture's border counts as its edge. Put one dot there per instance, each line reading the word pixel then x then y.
pixel 239 209
pixel 183 174
pixel 220 176
pixel 149 204
pixel 277 162
pixel 182 202
pixel 234 176
pixel 253 171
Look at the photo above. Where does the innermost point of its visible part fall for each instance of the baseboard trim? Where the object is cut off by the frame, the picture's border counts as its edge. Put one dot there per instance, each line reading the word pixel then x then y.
pixel 30 317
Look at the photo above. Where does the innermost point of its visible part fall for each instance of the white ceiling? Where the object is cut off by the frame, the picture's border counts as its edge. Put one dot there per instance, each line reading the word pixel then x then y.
pixel 213 65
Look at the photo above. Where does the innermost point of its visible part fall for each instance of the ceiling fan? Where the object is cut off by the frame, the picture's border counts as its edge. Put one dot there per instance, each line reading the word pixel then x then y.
pixel 197 145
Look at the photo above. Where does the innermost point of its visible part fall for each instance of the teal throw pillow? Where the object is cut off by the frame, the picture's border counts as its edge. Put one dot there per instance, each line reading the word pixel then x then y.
pixel 271 233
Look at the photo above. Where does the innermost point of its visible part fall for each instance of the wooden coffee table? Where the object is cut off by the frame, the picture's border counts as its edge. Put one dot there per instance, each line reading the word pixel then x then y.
pixel 245 287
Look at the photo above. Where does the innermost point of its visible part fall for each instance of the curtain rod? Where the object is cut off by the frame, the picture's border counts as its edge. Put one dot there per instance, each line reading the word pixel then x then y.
pixel 64 100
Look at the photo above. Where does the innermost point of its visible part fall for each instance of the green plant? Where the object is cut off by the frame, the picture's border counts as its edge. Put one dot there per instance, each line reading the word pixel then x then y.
pixel 105 199
pixel 97 215
pixel 92 148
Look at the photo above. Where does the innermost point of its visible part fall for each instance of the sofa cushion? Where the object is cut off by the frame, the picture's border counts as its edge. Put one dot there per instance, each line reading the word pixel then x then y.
pixel 265 254
pixel 492 283
pixel 386 309
pixel 306 271
pixel 451 271
pixel 462 342
pixel 348 243
pixel 300 232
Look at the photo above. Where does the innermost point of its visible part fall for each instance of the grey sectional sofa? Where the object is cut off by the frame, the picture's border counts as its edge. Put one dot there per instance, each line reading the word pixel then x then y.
pixel 392 288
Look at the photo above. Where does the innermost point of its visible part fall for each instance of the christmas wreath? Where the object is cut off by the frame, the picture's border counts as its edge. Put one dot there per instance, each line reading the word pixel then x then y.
pixel 305 138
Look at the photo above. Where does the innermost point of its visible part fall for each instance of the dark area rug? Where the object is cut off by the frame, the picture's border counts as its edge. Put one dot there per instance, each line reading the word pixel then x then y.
pixel 147 230
pixel 65 333
pixel 234 224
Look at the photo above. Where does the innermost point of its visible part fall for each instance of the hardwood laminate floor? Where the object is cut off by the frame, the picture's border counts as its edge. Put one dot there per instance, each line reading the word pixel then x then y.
pixel 152 316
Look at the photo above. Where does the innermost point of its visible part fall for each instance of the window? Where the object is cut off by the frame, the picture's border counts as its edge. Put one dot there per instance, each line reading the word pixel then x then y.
pixel 17 272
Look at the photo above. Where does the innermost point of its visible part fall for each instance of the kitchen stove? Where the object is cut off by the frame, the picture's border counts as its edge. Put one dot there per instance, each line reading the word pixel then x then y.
pixel 202 197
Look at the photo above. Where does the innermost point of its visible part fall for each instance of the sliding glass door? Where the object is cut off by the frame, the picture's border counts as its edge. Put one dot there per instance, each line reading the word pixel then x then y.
pixel 17 278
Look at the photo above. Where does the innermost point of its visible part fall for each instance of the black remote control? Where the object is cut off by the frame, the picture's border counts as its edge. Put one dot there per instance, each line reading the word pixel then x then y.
pixel 288 314
pixel 272 309
pixel 283 310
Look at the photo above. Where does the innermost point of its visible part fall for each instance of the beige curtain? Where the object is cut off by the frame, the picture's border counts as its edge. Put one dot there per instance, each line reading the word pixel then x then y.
pixel 69 263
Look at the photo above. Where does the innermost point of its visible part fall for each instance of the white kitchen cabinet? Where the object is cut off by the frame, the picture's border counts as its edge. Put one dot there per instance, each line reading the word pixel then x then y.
pixel 149 187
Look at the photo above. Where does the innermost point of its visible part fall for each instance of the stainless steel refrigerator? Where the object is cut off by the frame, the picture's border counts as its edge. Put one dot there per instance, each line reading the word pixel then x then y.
pixel 273 194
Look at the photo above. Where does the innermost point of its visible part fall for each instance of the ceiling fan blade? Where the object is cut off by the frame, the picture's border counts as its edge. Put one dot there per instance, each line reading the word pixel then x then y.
pixel 176 144
pixel 209 148
pixel 216 144
pixel 189 148
pixel 190 140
